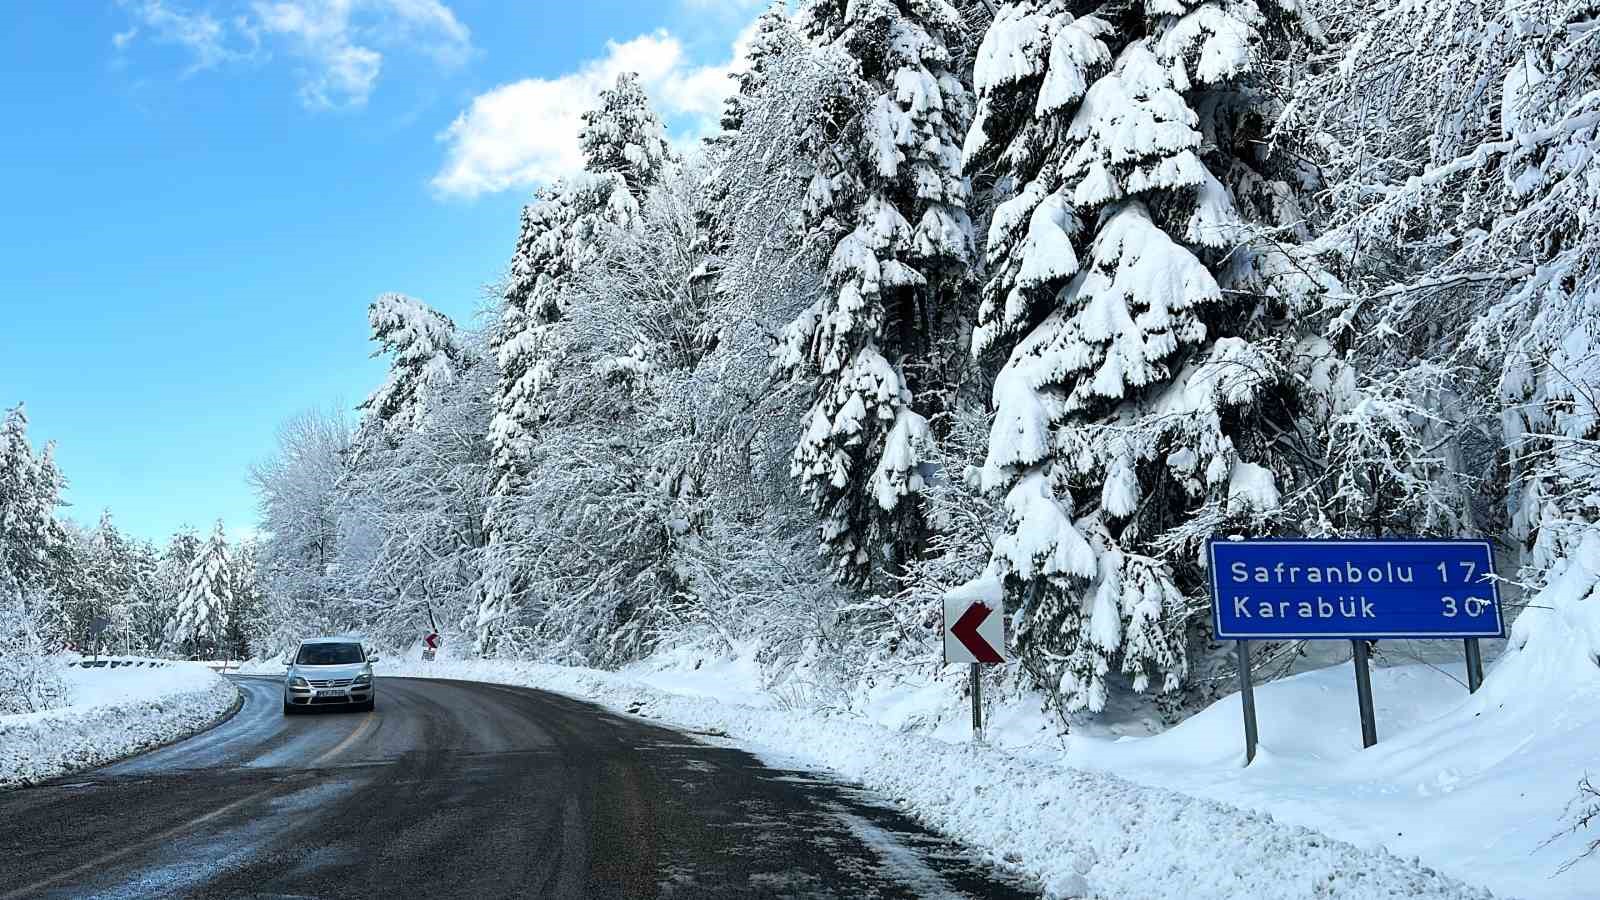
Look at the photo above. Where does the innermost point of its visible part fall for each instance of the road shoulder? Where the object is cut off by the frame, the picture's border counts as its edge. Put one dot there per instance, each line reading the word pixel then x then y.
pixel 118 713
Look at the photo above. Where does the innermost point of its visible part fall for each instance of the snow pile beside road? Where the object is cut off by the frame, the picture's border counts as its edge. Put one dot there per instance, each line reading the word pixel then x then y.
pixel 1081 833
pixel 115 712
pixel 1473 784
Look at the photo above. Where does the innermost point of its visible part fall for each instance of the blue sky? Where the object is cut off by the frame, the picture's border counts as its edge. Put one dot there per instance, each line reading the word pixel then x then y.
pixel 204 195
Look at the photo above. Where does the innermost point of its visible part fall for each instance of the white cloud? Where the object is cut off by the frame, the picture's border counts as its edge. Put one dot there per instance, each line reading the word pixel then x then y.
pixel 526 132
pixel 340 43
pixel 202 34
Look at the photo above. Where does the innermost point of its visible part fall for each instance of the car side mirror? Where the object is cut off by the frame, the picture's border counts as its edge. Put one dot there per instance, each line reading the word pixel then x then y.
pixel 373 657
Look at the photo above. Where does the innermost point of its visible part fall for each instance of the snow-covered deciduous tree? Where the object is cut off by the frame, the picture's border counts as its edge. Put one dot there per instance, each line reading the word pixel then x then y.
pixel 207 594
pixel 30 678
pixel 563 230
pixel 1146 319
pixel 879 346
pixel 298 490
pixel 1456 137
pixel 413 513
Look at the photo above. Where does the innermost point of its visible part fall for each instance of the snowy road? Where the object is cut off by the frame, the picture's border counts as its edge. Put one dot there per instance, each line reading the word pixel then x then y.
pixel 463 789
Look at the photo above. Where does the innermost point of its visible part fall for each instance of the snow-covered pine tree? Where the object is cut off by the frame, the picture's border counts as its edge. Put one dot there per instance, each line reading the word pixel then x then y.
pixel 172 577
pixel 207 593
pixel 625 154
pixel 427 357
pixel 145 609
pixel 30 491
pixel 107 560
pixel 766 41
pixel 246 605
pixel 623 135
pixel 887 193
pixel 1146 339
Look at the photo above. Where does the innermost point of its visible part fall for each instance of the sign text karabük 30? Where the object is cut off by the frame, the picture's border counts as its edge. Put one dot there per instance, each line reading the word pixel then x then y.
pixel 1326 589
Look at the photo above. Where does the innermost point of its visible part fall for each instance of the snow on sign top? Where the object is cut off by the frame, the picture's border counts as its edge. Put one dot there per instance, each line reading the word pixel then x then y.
pixel 974 624
pixel 1328 589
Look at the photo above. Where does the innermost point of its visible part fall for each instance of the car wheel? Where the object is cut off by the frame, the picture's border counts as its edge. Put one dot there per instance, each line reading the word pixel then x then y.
pixel 288 708
pixel 369 706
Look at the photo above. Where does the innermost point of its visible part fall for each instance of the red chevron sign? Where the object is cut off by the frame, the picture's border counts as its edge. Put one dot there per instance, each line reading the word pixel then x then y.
pixel 974 630
pixel 966 631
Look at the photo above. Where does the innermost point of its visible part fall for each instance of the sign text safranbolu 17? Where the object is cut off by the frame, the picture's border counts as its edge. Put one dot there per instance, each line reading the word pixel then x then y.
pixel 1321 589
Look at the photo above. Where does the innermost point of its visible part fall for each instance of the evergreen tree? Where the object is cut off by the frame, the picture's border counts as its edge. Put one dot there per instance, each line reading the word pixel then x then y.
pixel 244 605
pixel 624 136
pixel 765 43
pixel 888 195
pixel 1147 337
pixel 427 357
pixel 146 609
pixel 625 155
pixel 201 619
pixel 30 491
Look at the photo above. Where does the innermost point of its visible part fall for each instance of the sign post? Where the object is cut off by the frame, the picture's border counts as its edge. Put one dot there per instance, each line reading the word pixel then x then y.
pixel 974 633
pixel 1247 696
pixel 1356 590
pixel 1474 665
pixel 1369 717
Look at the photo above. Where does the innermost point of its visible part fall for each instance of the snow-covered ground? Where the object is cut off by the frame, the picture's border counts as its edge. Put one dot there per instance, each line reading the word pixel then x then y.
pixel 1080 832
pixel 115 712
pixel 1473 785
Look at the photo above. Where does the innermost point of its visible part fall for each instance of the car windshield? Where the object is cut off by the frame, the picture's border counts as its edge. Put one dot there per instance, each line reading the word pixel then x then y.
pixel 328 654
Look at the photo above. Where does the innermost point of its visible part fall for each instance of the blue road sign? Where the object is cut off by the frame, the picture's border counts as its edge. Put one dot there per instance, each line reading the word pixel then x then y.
pixel 1327 589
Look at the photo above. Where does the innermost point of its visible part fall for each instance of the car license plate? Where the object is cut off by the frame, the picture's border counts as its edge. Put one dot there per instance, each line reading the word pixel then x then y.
pixel 333 693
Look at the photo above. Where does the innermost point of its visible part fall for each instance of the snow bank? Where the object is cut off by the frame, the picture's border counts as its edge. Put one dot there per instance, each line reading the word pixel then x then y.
pixel 1081 833
pixel 1473 784
pixel 115 712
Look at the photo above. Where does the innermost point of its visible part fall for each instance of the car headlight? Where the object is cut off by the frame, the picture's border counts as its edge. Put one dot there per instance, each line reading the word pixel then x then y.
pixel 363 678
pixel 297 681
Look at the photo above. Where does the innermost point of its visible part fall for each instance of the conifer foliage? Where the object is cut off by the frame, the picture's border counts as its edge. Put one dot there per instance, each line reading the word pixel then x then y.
pixel 1128 314
pixel 888 195
pixel 427 356
pixel 207 594
pixel 30 490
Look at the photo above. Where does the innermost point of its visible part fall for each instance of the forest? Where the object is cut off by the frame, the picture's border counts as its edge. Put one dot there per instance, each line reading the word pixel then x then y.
pixel 1043 293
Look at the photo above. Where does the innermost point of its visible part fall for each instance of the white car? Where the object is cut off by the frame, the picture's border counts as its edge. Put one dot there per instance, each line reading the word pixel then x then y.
pixel 329 672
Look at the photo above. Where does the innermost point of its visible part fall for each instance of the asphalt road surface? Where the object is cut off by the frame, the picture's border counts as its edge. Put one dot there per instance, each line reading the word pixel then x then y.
pixel 460 789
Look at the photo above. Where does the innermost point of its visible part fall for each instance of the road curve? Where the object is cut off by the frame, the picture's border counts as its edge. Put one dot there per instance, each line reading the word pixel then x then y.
pixel 456 788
